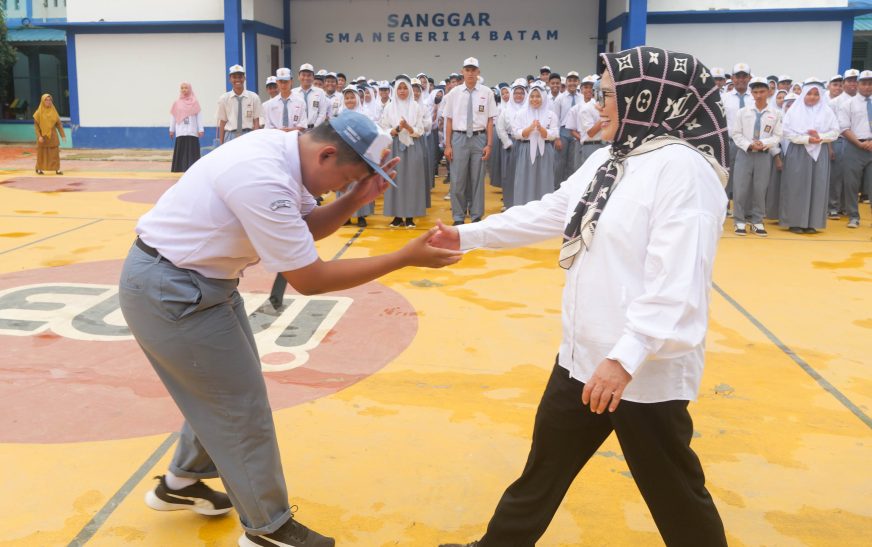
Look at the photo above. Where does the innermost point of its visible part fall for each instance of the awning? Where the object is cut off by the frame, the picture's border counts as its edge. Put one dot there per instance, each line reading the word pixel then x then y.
pixel 33 35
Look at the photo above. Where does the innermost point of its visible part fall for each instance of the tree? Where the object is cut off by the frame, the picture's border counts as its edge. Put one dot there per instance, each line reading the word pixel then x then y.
pixel 7 59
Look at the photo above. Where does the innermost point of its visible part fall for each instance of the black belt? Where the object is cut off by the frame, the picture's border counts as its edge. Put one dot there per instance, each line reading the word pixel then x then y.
pixel 463 131
pixel 144 247
pixel 592 142
pixel 310 126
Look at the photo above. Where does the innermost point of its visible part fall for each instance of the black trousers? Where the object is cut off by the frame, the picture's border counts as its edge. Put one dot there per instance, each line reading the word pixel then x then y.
pixel 655 440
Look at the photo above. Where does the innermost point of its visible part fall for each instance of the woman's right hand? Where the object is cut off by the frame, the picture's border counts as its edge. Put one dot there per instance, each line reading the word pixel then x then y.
pixel 419 252
pixel 40 139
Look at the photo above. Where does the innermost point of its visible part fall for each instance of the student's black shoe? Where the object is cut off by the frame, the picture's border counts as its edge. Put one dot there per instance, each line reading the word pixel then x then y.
pixel 40 172
pixel 59 172
pixel 759 230
pixel 347 222
pixel 458 223
pixel 410 223
pixel 197 497
pixel 396 223
pixel 361 221
pixel 476 219
pixel 795 230
pixel 834 215
pixel 291 534
pixel 740 230
pixel 810 231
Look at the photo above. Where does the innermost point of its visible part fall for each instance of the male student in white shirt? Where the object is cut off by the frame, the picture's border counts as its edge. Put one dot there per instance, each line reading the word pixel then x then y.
pixel 733 100
pixel 251 200
pixel 313 98
pixel 565 165
pixel 756 130
pixel 239 110
pixel 855 121
pixel 470 109
pixel 285 110
pixel 842 89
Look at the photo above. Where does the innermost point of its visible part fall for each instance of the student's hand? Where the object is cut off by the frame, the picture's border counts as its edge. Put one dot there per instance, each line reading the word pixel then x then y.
pixel 558 144
pixel 172 135
pixel 814 133
pixel 607 384
pixel 867 146
pixel 486 152
pixel 200 134
pixel 445 237
pixel 832 154
pixel 814 140
pixel 419 252
pixel 374 185
pixel 779 163
pixel 449 152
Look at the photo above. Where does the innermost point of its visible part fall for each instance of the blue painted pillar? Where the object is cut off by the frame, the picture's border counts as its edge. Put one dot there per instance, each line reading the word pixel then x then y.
pixel 602 34
pixel 286 39
pixel 637 21
pixel 846 44
pixel 73 82
pixel 232 35
pixel 251 75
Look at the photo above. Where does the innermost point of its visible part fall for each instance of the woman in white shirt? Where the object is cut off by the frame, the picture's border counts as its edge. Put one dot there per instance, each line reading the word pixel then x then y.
pixel 641 221
pixel 534 129
pixel 811 126
pixel 186 126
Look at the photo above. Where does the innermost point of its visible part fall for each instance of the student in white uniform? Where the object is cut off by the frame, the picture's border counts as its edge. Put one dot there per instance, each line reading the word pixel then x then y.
pixel 470 110
pixel 835 99
pixel 250 200
pixel 334 96
pixel 641 224
pixel 535 128
pixel 756 129
pixel 737 98
pixel 568 147
pixel 314 100
pixel 285 111
pixel 272 87
pixel 811 126
pixel 785 82
pixel 505 137
pixel 720 80
pixel 186 126
pixel 585 125
pixel 239 110
pixel 351 101
pixel 855 121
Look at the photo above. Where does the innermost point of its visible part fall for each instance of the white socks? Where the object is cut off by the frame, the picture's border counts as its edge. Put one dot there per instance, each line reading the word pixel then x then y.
pixel 177 483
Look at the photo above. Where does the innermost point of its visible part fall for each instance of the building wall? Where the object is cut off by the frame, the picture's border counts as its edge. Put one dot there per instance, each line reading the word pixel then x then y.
pixel 128 80
pixel 813 47
pixel 264 61
pixel 153 10
pixel 615 8
pixel 574 21
pixel 265 11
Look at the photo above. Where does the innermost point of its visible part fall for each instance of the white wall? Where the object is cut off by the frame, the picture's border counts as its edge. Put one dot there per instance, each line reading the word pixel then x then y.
pixel 574 20
pixel 138 10
pixel 266 11
pixel 51 11
pixel 133 79
pixel 615 36
pixel 704 5
pixel 264 60
pixel 615 8
pixel 799 49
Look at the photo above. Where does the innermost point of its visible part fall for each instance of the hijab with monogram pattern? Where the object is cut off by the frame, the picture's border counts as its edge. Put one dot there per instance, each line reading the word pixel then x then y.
pixel 664 98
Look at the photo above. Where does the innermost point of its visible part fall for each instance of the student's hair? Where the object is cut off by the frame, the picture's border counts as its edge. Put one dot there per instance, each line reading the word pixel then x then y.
pixel 341 75
pixel 553 75
pixel 326 134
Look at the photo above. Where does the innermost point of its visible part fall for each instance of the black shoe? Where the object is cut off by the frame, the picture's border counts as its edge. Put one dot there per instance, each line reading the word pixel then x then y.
pixel 834 215
pixel 740 230
pixel 458 223
pixel 476 219
pixel 396 223
pixel 759 229
pixel 59 172
pixel 795 230
pixel 40 172
pixel 810 231
pixel 197 497
pixel 473 544
pixel 361 221
pixel 347 222
pixel 410 222
pixel 291 534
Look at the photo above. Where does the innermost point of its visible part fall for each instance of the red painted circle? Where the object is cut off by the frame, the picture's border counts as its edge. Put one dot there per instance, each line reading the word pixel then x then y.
pixel 57 389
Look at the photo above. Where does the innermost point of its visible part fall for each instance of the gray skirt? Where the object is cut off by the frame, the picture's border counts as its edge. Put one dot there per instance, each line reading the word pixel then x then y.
pixel 495 164
pixel 805 188
pixel 532 180
pixel 409 198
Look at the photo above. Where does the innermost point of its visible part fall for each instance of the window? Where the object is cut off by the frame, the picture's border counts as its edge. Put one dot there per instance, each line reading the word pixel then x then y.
pixel 274 58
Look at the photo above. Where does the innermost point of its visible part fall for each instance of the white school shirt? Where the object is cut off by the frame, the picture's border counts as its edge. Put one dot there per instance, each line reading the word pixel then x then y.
pixel 564 104
pixel 503 128
pixel 484 107
pixel 731 105
pixel 641 293
pixel 241 204
pixel 228 105
pixel 853 115
pixel 334 103
pixel 742 132
pixel 582 118
pixel 190 126
pixel 274 108
pixel 314 105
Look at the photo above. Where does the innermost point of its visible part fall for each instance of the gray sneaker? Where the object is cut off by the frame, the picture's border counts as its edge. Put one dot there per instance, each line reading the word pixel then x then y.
pixel 854 223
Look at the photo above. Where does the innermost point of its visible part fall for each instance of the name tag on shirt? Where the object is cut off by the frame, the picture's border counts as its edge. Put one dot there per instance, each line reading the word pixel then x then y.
pixel 767 129
pixel 315 104
pixel 248 112
pixel 481 108
pixel 186 121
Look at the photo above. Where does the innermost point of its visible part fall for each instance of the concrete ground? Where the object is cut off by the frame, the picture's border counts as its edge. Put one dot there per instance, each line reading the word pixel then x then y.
pixel 405 411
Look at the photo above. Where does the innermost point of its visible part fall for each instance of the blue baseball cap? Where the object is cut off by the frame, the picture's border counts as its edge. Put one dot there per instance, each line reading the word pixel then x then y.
pixel 365 138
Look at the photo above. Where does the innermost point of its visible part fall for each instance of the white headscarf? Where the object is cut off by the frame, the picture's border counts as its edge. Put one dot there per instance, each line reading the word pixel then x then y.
pixel 524 118
pixel 513 107
pixel 802 118
pixel 351 89
pixel 406 109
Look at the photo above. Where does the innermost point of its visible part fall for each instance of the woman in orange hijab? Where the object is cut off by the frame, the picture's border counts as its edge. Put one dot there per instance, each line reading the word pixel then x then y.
pixel 47 125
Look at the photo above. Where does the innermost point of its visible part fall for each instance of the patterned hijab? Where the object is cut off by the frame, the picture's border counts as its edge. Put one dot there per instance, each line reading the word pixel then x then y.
pixel 664 98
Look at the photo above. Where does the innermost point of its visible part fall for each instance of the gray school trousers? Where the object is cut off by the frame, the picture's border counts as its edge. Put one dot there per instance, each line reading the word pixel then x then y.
pixel 467 175
pixel 856 170
pixel 751 172
pixel 837 179
pixel 196 334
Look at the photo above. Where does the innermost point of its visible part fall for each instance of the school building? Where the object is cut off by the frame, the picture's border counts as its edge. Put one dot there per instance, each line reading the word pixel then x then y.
pixel 114 67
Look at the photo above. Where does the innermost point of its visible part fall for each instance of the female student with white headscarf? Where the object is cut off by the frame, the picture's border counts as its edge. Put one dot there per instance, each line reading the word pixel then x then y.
pixel 503 127
pixel 351 101
pixel 811 126
pixel 418 94
pixel 535 129
pixel 773 191
pixel 404 118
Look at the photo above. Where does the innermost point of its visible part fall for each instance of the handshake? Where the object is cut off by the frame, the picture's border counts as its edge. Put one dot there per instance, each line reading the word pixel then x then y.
pixel 437 248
